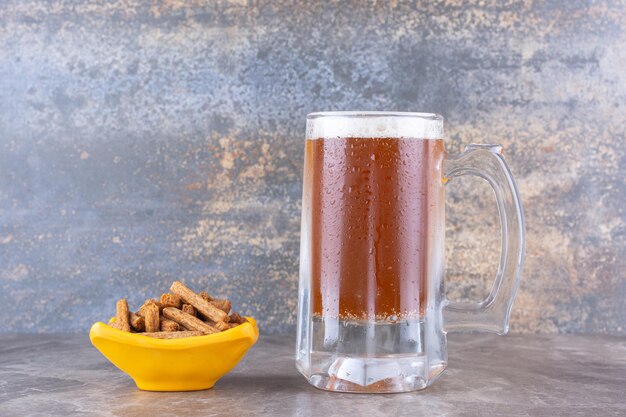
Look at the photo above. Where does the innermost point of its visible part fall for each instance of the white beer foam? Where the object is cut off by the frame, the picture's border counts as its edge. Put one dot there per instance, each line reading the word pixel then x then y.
pixel 374 125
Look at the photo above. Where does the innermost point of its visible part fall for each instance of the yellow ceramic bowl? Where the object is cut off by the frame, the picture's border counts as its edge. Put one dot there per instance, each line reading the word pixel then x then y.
pixel 188 364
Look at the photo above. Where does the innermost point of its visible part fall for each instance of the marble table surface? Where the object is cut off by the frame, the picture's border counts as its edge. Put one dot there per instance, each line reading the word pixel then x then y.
pixel 556 375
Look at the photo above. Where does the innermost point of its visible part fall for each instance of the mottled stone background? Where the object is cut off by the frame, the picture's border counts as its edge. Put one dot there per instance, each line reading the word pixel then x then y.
pixel 142 142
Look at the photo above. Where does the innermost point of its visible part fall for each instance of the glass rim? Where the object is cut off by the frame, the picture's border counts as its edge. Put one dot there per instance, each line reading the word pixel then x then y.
pixel 374 124
pixel 366 114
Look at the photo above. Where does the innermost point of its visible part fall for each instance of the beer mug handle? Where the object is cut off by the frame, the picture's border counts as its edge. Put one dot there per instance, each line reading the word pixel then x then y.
pixel 491 314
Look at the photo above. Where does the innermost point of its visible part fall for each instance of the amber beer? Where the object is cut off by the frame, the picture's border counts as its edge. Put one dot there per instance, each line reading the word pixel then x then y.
pixel 374 204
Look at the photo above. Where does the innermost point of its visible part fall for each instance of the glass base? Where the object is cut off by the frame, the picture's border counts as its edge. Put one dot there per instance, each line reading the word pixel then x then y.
pixel 376 375
pixel 371 357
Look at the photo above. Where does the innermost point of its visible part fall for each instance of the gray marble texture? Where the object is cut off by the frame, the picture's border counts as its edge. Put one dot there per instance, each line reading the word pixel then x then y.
pixel 142 142
pixel 488 376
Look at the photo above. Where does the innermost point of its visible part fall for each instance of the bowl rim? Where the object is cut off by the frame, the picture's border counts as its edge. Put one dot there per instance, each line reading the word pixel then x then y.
pixel 248 330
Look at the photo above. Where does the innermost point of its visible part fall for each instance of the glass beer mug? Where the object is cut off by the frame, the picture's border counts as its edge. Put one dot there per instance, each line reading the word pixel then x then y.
pixel 372 313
